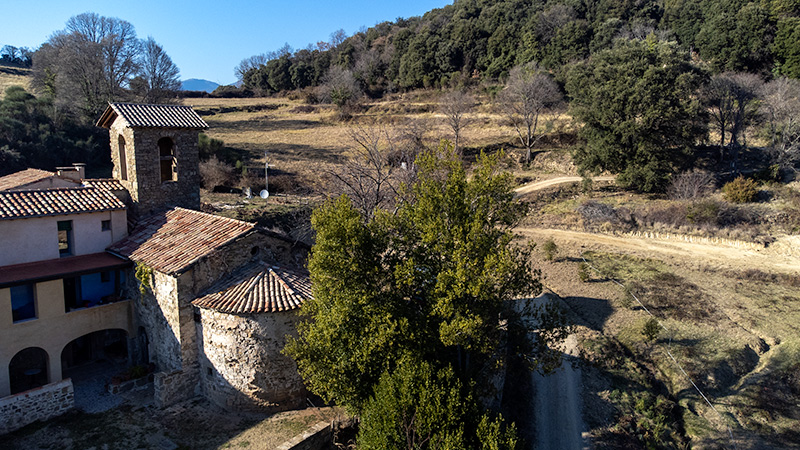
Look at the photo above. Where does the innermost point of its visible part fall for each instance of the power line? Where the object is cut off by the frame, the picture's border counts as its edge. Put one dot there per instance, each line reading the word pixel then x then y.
pixel 668 349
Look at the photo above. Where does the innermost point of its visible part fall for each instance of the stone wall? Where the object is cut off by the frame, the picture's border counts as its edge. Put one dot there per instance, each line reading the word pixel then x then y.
pixel 42 403
pixel 256 246
pixel 173 387
pixel 143 160
pixel 242 367
pixel 319 437
pixel 158 313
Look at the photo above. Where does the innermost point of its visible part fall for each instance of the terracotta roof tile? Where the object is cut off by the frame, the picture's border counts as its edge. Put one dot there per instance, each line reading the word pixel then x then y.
pixel 108 184
pixel 257 288
pixel 24 177
pixel 59 268
pixel 172 241
pixel 56 201
pixel 152 116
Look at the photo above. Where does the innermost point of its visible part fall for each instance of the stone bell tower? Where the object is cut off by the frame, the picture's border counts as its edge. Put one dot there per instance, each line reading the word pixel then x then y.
pixel 155 155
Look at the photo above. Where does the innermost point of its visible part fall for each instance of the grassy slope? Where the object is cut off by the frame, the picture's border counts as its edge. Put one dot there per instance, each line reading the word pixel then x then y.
pixel 13 76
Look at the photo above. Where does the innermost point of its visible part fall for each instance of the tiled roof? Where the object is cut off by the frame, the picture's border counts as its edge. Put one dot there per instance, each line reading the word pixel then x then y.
pixel 152 116
pixel 59 268
pixel 24 177
pixel 172 241
pixel 257 288
pixel 108 184
pixel 57 201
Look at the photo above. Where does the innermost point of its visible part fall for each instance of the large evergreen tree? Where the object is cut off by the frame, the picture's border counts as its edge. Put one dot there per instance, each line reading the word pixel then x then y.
pixel 428 285
pixel 639 109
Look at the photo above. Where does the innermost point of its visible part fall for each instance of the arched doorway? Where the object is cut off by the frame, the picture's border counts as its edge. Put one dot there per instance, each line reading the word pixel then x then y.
pixel 28 369
pixel 91 361
pixel 105 346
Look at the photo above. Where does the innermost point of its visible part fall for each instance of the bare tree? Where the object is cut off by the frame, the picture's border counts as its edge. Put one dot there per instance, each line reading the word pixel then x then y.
pixel 529 94
pixel 372 176
pixel 455 105
pixel 745 94
pixel 552 19
pixel 691 185
pixel 160 75
pixel 719 97
pixel 781 106
pixel 117 43
pixel 340 87
pixel 337 37
pixel 88 63
pixel 215 173
pixel 248 64
pixel 732 100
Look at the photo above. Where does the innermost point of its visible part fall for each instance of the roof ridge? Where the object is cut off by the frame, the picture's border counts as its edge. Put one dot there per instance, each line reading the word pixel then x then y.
pixel 230 219
pixel 61 188
pixel 148 104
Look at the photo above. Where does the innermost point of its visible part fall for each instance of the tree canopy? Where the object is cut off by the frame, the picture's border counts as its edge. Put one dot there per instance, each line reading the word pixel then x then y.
pixel 640 111
pixel 427 285
pixel 483 39
pixel 94 60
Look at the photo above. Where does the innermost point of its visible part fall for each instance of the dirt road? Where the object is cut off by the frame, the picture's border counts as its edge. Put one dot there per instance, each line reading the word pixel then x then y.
pixel 767 258
pixel 537 185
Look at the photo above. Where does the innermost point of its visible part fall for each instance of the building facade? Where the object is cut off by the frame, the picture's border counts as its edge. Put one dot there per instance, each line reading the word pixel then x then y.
pixel 127 269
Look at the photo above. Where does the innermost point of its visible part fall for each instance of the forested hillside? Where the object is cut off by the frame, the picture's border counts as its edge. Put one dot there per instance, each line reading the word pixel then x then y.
pixel 484 39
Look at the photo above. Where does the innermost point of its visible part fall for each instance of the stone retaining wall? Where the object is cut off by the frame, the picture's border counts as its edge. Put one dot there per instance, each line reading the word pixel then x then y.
pixel 694 239
pixel 317 437
pixel 139 384
pixel 42 403
pixel 174 387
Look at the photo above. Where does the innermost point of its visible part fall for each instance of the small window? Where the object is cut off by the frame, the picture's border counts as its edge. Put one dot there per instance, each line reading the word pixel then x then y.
pixel 123 159
pixel 65 238
pixel 105 225
pixel 23 303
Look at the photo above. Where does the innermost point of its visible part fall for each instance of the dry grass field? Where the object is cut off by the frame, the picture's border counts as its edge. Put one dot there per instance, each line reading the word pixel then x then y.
pixel 308 140
pixel 13 76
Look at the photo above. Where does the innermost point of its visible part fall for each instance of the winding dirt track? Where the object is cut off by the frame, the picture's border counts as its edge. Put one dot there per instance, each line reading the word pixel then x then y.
pixel 538 185
pixel 767 258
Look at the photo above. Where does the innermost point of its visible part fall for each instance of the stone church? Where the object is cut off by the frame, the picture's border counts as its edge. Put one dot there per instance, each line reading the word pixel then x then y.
pixel 205 300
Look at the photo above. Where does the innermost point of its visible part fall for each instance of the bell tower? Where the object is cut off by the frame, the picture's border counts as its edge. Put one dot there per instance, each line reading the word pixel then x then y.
pixel 155 155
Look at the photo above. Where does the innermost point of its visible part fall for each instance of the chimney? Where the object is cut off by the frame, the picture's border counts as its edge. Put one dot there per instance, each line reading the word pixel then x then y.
pixel 76 172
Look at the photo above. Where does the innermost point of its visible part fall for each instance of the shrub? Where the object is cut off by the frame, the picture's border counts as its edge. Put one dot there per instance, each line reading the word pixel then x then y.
pixel 740 190
pixel 208 147
pixel 586 185
pixel 651 329
pixel 583 272
pixel 216 173
pixel 597 212
pixel 691 185
pixel 550 249
pixel 703 212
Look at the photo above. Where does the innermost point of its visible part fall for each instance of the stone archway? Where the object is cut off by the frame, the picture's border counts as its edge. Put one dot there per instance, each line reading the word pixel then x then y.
pixel 28 369
pixel 91 361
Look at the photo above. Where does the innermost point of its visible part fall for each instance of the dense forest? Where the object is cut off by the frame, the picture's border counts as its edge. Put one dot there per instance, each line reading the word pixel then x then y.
pixel 484 39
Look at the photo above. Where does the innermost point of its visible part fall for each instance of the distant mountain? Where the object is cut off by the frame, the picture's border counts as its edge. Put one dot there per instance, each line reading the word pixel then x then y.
pixel 193 84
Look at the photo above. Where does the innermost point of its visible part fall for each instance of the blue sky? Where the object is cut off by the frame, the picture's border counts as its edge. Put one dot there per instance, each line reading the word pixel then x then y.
pixel 207 39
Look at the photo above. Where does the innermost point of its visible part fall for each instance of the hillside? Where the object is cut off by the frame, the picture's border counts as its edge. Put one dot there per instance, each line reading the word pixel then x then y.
pixel 482 40
pixel 14 76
